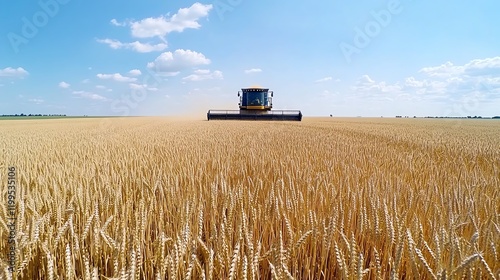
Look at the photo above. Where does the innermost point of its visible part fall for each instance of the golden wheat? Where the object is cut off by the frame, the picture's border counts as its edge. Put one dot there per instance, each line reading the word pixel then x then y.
pixel 146 198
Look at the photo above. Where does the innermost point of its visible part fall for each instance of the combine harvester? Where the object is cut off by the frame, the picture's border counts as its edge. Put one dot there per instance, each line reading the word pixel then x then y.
pixel 255 104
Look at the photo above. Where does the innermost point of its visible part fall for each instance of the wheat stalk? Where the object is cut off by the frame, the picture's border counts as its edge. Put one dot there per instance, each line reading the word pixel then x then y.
pixel 140 198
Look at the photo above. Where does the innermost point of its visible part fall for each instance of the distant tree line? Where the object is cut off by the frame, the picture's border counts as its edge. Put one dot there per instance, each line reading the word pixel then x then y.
pixel 438 117
pixel 34 115
pixel 468 117
pixel 441 117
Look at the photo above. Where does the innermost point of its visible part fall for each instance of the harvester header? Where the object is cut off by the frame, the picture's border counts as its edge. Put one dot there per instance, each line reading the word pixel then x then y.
pixel 256 103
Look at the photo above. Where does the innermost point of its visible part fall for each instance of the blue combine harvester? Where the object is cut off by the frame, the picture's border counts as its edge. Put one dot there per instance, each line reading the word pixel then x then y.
pixel 255 104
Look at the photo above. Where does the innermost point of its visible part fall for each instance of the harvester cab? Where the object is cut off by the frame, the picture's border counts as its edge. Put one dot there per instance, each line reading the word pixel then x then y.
pixel 255 104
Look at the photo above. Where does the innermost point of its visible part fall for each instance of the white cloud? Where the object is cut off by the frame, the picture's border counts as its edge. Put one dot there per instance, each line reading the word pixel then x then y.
pixel 365 79
pixel 478 75
pixel 325 79
pixel 116 23
pixel 253 70
pixel 18 72
pixel 367 88
pixel 487 66
pixel 36 101
pixel 136 46
pixel 179 60
pixel 134 86
pixel 116 77
pixel 135 72
pixel 202 71
pixel 114 44
pixel 168 74
pixel 200 75
pixel 89 95
pixel 86 81
pixel 64 85
pixel 443 70
pixel 477 79
pixel 100 87
pixel 137 86
pixel 161 26
pixel 412 82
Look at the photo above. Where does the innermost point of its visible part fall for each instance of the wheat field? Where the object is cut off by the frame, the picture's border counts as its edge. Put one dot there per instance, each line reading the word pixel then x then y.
pixel 325 198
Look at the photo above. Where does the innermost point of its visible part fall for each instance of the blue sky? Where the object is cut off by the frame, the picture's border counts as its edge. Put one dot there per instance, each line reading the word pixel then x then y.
pixel 346 58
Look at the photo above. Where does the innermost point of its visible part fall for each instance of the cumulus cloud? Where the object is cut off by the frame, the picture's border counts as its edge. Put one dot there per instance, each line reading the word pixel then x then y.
pixel 136 46
pixel 478 79
pixel 200 75
pixel 160 26
pixel 253 70
pixel 409 89
pixel 116 23
pixel 18 72
pixel 478 75
pixel 89 95
pixel 116 77
pixel 412 82
pixel 365 84
pixel 177 61
pixel 64 85
pixel 135 72
pixel 486 66
pixel 444 70
pixel 365 79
